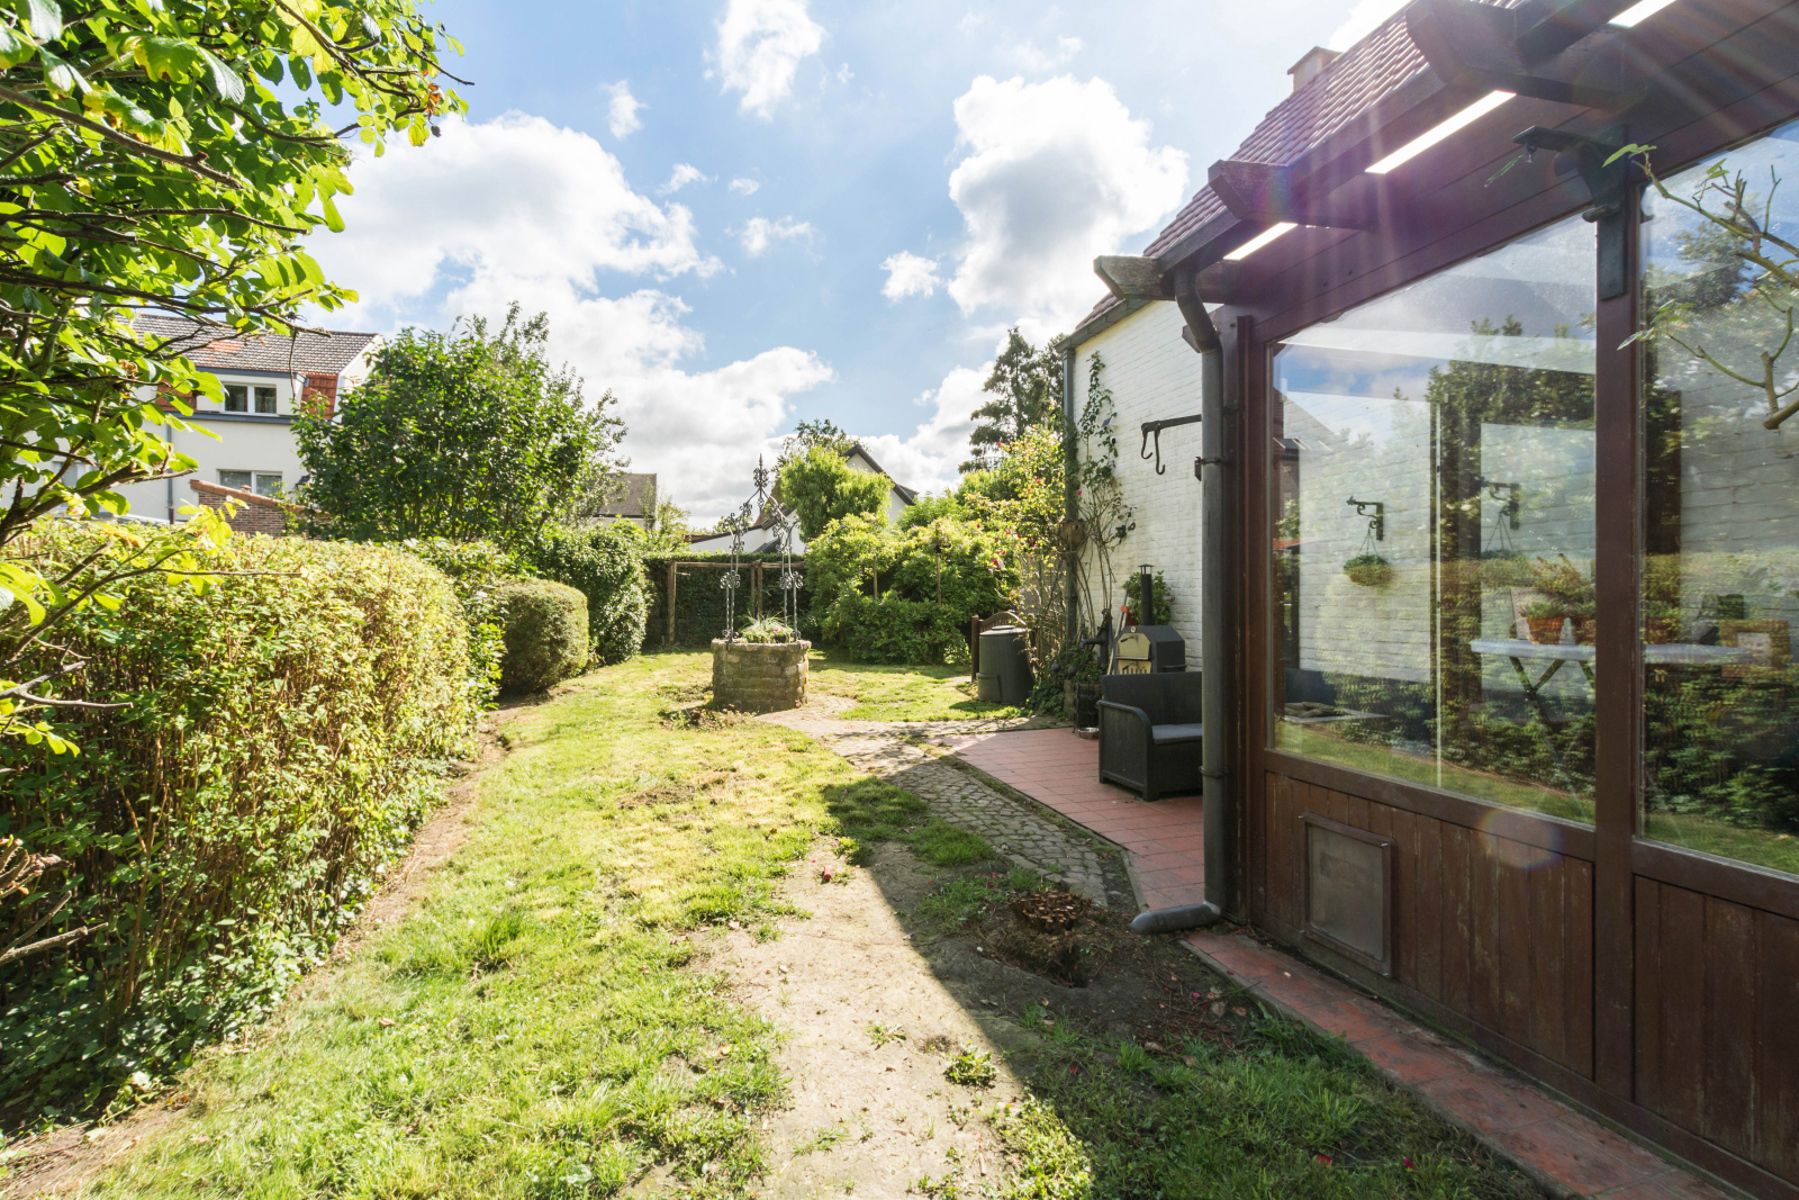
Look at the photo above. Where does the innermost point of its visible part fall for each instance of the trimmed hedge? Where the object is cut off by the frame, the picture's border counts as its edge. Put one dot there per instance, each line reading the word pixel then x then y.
pixel 286 731
pixel 546 634
pixel 476 570
pixel 603 561
pixel 700 601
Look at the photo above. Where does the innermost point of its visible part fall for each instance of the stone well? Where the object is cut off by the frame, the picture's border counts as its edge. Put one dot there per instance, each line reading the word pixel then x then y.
pixel 758 676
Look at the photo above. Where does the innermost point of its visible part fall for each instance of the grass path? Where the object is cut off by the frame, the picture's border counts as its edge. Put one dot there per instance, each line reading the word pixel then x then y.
pixel 566 1012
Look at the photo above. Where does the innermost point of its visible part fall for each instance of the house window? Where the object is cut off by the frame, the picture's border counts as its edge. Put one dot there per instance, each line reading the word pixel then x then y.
pixel 1720 602
pixel 263 483
pixel 244 398
pixel 1433 533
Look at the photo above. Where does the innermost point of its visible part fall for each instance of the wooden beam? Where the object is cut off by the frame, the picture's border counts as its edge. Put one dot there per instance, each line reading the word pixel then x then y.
pixel 1132 277
pixel 1480 47
pixel 1547 27
pixel 1268 193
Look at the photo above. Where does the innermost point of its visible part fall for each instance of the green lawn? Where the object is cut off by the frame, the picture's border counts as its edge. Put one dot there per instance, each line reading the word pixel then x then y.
pixel 884 693
pixel 536 1025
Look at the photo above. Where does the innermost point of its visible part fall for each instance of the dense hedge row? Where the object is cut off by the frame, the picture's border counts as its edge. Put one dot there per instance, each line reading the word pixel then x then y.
pixel 700 601
pixel 546 634
pixel 605 563
pixel 285 732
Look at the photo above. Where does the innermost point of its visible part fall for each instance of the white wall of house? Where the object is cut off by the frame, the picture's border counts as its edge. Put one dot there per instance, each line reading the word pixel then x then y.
pixel 259 443
pixel 896 503
pixel 1153 375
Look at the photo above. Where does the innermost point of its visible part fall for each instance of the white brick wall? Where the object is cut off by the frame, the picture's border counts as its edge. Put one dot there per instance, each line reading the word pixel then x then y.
pixel 1153 375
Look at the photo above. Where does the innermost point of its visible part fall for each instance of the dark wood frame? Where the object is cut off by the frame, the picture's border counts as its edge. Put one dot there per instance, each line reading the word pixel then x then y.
pixel 1315 274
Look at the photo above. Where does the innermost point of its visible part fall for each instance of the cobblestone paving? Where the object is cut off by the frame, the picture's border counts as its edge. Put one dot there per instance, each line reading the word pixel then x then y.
pixel 910 755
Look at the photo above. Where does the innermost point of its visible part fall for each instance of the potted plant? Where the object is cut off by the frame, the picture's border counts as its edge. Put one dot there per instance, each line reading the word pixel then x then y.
pixel 768 631
pixel 1546 618
pixel 1368 570
pixel 1586 624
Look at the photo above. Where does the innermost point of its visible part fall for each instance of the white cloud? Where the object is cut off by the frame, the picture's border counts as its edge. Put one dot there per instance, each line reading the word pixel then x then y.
pixel 515 196
pixel 909 274
pixel 622 110
pixel 745 186
pixel 761 44
pixel 519 209
pixel 761 233
pixel 681 176
pixel 1364 18
pixel 1054 173
pixel 1033 59
pixel 930 457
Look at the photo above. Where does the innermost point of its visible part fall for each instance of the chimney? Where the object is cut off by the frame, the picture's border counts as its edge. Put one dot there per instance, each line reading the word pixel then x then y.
pixel 1312 65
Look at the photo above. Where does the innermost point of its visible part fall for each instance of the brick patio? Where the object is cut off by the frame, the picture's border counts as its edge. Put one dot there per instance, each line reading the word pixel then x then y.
pixel 1565 1150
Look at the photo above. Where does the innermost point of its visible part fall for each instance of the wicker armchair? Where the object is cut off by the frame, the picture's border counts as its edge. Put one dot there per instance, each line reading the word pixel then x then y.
pixel 1150 733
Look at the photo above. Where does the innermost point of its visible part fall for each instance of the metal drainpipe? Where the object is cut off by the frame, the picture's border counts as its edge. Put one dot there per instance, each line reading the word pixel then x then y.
pixel 1070 507
pixel 1217 699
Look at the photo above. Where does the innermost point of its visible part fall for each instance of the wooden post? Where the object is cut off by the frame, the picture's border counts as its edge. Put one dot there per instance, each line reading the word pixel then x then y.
pixel 674 573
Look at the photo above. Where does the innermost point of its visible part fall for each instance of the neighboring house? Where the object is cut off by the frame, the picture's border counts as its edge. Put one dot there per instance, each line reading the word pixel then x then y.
pixel 633 499
pixel 899 496
pixel 266 379
pixel 761 537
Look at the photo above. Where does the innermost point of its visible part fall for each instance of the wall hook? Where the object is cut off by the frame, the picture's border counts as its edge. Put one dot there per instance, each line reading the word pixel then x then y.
pixel 1377 523
pixel 1153 429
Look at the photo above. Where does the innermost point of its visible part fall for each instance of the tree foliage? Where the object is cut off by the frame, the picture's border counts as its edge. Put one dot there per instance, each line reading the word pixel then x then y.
pixel 823 433
pixel 466 434
pixel 170 156
pixel 1026 386
pixel 822 487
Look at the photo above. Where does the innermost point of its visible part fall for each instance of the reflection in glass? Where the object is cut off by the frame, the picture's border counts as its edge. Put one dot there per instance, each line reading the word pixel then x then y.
pixel 1721 533
pixel 1433 464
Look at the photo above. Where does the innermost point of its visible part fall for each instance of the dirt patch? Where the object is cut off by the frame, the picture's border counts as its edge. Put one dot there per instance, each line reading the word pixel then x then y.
pixel 681 791
pixel 899 1040
pixel 869 1031
pixel 67 1159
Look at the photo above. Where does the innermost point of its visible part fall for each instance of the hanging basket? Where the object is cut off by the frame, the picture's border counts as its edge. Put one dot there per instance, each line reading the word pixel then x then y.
pixel 1368 570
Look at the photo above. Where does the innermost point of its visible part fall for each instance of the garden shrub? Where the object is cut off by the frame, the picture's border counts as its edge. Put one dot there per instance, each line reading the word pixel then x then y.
pixel 603 561
pixel 546 634
pixel 476 570
pixel 891 595
pixel 284 731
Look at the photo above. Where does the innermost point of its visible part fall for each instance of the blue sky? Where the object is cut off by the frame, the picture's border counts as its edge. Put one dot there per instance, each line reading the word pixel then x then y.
pixel 741 213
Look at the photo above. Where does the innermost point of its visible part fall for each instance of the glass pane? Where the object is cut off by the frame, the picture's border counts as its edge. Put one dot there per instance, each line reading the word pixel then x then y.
pixel 265 400
pixel 237 398
pixel 234 479
pixel 268 483
pixel 1434 538
pixel 1721 533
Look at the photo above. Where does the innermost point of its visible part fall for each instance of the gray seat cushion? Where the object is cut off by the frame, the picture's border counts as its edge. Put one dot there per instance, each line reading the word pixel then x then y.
pixel 1163 734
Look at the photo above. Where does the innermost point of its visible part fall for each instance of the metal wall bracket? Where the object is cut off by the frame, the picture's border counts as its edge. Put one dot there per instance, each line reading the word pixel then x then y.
pixel 1377 523
pixel 1596 162
pixel 1153 430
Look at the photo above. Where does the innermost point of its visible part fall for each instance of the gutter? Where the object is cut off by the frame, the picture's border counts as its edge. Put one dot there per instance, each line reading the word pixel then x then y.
pixel 1218 701
pixel 1070 467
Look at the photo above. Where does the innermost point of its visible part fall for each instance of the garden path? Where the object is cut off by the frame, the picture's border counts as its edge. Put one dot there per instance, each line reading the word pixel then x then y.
pixel 914 755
